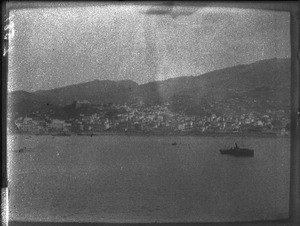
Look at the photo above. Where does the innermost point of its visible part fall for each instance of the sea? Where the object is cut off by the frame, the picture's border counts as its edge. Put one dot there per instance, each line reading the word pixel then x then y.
pixel 122 179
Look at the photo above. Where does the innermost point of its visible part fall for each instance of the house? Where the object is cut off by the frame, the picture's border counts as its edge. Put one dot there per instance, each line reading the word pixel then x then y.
pixel 107 124
pixel 57 124
pixel 181 126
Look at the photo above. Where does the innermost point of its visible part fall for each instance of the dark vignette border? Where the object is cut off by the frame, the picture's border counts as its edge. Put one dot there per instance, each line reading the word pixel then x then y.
pixel 4 68
pixel 291 6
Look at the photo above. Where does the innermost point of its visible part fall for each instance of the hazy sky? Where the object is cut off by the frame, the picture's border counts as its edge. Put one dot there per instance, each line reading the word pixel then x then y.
pixel 54 47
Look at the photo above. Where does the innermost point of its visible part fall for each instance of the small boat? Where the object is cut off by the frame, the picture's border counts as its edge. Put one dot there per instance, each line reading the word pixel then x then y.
pixel 237 151
pixel 174 143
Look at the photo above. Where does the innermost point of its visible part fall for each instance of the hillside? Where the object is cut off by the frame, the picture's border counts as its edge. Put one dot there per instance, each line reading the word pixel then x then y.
pixel 21 103
pixel 267 80
pixel 96 92
pixel 264 84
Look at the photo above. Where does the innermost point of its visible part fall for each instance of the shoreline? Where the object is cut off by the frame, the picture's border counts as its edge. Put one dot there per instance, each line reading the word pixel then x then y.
pixel 182 134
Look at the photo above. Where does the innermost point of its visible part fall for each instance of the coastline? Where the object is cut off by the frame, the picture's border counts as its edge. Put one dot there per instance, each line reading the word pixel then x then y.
pixel 161 134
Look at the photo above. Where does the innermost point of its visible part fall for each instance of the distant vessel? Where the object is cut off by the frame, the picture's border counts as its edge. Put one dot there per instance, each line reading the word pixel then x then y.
pixel 239 152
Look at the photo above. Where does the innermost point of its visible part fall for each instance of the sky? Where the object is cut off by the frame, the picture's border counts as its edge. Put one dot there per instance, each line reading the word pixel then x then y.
pixel 55 47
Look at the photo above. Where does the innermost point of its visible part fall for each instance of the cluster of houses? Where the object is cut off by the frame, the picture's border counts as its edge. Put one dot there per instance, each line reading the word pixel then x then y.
pixel 156 118
pixel 41 126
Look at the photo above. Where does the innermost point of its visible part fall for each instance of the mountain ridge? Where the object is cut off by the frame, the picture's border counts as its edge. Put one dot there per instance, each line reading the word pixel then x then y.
pixel 194 75
pixel 219 85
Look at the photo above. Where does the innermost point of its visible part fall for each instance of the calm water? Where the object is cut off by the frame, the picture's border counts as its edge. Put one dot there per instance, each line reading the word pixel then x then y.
pixel 146 179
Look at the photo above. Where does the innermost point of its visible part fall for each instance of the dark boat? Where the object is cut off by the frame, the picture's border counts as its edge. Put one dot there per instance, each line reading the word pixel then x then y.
pixel 239 152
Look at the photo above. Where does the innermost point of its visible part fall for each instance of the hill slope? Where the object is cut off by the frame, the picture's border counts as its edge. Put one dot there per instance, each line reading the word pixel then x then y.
pixel 265 83
pixel 96 92
pixel 22 103
pixel 266 80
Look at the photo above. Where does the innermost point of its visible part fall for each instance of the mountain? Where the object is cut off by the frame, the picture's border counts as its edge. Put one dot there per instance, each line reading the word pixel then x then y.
pixel 22 103
pixel 267 80
pixel 96 92
pixel 264 84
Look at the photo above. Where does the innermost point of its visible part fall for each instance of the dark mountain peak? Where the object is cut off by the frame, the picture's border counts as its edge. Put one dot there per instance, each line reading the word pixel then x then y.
pixel 96 91
pixel 96 83
pixel 19 95
pixel 127 83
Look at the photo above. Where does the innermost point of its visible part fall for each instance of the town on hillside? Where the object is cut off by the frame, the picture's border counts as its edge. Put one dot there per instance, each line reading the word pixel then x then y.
pixel 140 118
